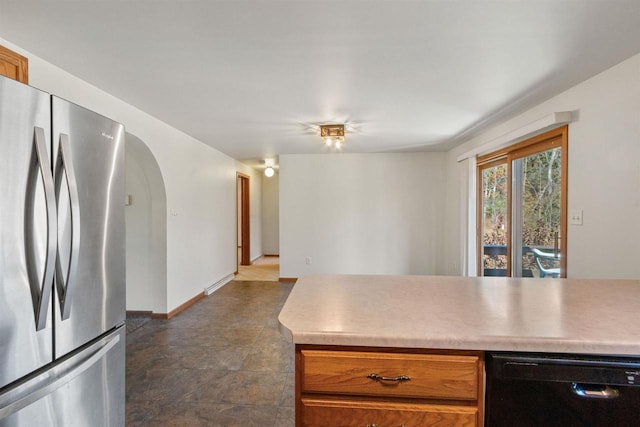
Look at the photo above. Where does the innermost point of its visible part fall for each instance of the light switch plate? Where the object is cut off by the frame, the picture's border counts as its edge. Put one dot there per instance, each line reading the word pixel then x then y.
pixel 575 217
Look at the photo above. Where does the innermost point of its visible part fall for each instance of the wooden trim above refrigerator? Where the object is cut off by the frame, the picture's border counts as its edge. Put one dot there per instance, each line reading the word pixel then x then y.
pixel 14 65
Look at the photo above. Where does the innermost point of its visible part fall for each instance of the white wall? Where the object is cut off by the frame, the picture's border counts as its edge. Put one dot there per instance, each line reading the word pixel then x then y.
pixel 270 215
pixel 604 173
pixel 146 222
pixel 200 185
pixel 361 213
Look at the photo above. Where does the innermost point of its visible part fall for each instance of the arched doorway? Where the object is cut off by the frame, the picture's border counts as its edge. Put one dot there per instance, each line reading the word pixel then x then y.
pixel 146 222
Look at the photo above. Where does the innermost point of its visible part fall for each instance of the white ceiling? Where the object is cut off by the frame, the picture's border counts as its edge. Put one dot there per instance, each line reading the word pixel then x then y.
pixel 252 78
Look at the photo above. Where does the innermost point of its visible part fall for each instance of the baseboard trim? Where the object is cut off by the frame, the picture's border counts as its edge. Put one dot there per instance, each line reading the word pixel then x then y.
pixel 270 255
pixel 217 285
pixel 139 313
pixel 179 309
pixel 288 279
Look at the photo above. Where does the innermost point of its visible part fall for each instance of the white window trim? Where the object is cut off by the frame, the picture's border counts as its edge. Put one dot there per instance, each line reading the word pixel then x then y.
pixel 546 123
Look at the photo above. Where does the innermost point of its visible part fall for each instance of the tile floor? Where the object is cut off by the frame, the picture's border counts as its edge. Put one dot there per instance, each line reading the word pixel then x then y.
pixel 221 362
pixel 262 269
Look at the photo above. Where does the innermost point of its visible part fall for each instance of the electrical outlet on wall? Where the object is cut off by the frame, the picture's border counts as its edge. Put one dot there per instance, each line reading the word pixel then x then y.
pixel 307 260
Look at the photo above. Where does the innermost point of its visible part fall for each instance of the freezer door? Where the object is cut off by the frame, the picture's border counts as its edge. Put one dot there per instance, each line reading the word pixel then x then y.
pixel 88 161
pixel 85 389
pixel 27 231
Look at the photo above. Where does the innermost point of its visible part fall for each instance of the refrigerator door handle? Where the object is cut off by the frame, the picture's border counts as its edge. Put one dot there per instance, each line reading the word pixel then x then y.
pixel 42 385
pixel 64 163
pixel 40 165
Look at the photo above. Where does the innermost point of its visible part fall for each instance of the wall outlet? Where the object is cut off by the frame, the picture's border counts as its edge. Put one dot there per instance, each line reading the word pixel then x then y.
pixel 307 260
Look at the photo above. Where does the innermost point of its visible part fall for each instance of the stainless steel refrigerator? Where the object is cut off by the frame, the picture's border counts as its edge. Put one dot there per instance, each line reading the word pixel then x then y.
pixel 62 262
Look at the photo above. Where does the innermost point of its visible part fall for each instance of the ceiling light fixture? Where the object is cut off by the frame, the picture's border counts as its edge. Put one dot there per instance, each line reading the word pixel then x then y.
pixel 332 135
pixel 270 165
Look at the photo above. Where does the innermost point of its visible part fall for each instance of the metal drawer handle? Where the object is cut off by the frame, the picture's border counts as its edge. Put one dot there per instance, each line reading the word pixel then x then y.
pixel 46 383
pixel 400 378
pixel 595 391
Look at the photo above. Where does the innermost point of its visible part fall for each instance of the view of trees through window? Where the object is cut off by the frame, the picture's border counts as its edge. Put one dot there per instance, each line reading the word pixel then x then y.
pixel 494 224
pixel 541 198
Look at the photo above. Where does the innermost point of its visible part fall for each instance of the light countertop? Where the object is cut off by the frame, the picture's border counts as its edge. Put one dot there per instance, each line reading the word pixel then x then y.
pixel 470 313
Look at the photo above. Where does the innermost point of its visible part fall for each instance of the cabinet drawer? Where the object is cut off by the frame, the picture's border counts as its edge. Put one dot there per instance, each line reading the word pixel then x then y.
pixel 431 376
pixel 345 413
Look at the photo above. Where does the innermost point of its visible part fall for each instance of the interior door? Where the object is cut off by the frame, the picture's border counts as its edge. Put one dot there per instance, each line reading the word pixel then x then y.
pixel 88 153
pixel 244 219
pixel 27 231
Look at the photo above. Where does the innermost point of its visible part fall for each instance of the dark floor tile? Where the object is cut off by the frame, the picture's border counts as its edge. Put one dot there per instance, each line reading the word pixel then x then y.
pixel 135 322
pixel 286 417
pixel 222 362
pixel 270 353
pixel 256 388
pixel 214 415
pixel 136 384
pixel 203 335
pixel 289 393
pixel 230 336
pixel 186 384
pixel 189 357
pixel 141 412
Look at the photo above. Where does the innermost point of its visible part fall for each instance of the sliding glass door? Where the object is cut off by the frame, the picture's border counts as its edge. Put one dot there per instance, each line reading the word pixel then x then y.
pixel 494 224
pixel 522 208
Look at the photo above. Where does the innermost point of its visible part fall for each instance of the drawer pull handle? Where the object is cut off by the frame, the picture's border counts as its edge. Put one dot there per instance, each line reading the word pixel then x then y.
pixel 399 379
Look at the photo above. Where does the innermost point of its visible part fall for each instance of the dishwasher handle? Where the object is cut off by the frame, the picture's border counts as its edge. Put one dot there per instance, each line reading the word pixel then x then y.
pixel 595 391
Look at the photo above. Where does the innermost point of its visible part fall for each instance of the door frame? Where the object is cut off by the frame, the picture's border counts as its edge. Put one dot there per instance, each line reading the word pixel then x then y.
pixel 243 227
pixel 558 137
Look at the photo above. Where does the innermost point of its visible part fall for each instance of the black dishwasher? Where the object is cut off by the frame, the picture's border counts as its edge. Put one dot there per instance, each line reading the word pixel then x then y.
pixel 535 389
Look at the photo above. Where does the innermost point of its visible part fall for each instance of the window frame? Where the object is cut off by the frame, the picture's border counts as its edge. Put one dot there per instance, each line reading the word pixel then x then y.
pixel 558 137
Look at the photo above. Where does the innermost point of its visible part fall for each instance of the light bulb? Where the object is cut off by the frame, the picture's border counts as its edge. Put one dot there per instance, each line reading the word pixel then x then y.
pixel 268 172
pixel 328 141
pixel 338 144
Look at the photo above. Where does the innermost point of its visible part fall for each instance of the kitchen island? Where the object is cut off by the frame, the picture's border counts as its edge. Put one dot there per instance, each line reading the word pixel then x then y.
pixel 346 325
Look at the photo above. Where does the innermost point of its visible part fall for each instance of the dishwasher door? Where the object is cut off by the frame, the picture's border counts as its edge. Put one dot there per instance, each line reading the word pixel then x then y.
pixel 534 389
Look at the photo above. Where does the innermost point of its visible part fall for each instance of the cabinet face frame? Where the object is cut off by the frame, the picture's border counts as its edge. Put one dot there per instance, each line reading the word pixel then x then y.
pixel 299 376
pixel 14 65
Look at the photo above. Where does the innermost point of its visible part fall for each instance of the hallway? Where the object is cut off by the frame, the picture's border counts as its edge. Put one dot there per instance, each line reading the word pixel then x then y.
pixel 222 362
pixel 264 269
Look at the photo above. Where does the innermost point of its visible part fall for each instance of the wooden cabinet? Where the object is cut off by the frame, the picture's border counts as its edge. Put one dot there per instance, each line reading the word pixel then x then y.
pixel 13 65
pixel 345 413
pixel 359 387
